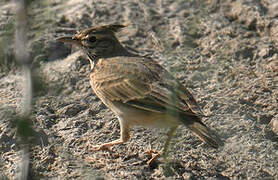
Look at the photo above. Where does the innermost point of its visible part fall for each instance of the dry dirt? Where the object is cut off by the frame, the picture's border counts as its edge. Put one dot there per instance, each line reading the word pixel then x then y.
pixel 225 52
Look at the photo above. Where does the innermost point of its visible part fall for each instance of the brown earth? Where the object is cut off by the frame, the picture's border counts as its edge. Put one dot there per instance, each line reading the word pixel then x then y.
pixel 225 52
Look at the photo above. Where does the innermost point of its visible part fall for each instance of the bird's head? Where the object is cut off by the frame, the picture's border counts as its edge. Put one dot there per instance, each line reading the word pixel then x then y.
pixel 97 42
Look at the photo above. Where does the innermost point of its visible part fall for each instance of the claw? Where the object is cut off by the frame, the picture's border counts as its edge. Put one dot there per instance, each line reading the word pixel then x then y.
pixel 152 160
pixel 154 156
pixel 99 148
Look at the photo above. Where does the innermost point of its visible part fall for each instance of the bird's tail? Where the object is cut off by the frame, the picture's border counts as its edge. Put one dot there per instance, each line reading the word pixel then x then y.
pixel 203 132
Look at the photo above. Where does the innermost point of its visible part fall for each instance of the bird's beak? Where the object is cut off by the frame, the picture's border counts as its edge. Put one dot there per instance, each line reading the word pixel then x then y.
pixel 69 40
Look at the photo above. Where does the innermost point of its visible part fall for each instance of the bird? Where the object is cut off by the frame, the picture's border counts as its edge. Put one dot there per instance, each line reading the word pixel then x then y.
pixel 137 88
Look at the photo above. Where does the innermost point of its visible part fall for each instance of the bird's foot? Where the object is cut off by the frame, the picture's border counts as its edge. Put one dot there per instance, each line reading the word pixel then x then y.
pixel 99 148
pixel 154 156
pixel 105 146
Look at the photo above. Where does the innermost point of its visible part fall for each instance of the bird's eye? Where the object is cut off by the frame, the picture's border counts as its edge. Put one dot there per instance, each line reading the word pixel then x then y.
pixel 92 39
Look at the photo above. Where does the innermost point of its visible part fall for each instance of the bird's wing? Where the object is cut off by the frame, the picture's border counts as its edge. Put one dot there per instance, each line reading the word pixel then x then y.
pixel 144 84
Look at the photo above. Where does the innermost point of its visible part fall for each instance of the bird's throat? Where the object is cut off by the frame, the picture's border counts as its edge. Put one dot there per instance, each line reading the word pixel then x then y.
pixel 93 60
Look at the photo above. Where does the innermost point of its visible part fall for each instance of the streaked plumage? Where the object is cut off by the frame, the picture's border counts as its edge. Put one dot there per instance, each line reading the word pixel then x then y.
pixel 138 89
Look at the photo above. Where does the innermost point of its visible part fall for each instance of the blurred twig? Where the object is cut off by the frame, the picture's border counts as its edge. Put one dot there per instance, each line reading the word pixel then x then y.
pixel 23 58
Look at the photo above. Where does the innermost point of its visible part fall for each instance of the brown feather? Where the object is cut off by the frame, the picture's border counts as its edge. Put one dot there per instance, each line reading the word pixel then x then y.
pixel 119 81
pixel 203 132
pixel 137 89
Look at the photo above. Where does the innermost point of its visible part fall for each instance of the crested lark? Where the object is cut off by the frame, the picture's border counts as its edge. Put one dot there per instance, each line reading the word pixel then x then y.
pixel 137 89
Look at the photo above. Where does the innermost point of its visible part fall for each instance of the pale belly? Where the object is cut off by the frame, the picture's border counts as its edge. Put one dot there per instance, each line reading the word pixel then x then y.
pixel 139 117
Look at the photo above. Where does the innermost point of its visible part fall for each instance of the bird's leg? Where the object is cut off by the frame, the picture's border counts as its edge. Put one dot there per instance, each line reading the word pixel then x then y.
pixel 169 137
pixel 125 136
pixel 165 148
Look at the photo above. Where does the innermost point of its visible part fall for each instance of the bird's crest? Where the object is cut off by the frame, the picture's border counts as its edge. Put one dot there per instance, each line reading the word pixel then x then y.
pixel 111 28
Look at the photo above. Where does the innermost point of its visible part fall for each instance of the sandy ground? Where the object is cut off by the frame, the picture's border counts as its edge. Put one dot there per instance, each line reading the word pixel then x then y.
pixel 225 52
